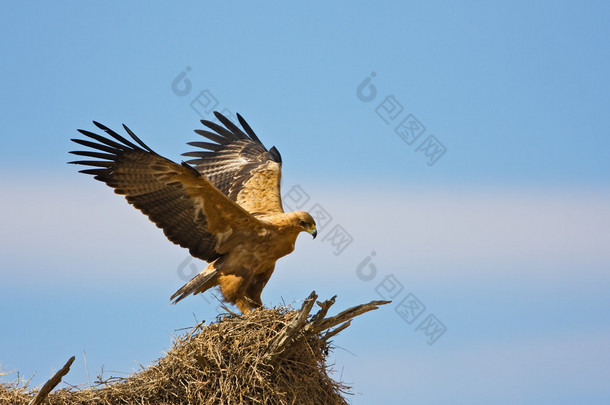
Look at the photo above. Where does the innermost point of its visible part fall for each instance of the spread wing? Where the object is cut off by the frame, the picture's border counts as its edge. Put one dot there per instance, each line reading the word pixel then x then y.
pixel 239 165
pixel 191 211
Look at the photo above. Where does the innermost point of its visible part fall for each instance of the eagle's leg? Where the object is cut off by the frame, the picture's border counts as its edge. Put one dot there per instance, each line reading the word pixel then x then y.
pixel 244 305
pixel 255 288
pixel 244 290
pixel 233 288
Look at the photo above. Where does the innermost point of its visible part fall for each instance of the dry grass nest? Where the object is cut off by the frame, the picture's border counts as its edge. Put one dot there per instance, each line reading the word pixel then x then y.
pixel 270 356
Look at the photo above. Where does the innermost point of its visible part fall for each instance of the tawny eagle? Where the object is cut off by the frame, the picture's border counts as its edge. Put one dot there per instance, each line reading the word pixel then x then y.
pixel 224 205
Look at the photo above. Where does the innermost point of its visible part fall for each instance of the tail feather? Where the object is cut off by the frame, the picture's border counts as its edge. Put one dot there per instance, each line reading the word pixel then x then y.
pixel 208 278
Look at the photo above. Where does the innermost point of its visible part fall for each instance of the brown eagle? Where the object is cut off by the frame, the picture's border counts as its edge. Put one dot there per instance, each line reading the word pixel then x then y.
pixel 224 205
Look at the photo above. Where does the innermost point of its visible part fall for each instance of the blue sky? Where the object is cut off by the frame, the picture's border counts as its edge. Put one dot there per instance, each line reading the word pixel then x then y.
pixel 502 238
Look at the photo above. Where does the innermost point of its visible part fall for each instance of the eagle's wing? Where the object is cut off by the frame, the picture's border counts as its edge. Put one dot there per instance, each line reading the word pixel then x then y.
pixel 239 165
pixel 191 211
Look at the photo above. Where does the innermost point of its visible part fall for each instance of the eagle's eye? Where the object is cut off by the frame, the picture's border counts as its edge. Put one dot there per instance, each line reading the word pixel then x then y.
pixel 303 224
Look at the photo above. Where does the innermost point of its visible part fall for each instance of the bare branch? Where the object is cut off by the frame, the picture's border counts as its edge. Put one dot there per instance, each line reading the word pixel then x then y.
pixel 52 383
pixel 299 328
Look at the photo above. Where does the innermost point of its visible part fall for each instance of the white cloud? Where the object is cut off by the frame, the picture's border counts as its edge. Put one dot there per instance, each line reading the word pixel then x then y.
pixel 82 224
pixel 467 225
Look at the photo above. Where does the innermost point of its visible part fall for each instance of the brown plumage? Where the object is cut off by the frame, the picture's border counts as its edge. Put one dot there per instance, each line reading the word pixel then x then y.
pixel 224 205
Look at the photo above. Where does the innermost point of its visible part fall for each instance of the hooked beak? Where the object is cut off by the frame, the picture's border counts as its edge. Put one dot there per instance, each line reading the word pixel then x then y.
pixel 314 232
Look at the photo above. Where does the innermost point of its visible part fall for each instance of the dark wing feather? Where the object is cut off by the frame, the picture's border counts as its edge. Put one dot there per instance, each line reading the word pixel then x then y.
pixel 189 209
pixel 239 165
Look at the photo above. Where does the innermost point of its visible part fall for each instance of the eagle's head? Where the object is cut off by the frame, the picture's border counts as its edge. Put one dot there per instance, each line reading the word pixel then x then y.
pixel 305 222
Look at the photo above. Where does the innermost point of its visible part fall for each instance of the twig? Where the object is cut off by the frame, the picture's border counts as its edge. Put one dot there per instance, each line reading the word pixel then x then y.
pixel 52 383
pixel 87 368
pixel 323 324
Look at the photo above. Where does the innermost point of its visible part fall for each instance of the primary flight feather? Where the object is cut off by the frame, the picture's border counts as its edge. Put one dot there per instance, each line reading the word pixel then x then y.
pixel 224 205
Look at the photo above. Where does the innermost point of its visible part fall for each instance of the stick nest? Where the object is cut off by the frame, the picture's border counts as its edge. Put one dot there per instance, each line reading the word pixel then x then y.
pixel 270 356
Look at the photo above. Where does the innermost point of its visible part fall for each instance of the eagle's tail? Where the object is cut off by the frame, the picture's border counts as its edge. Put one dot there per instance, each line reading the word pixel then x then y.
pixel 208 278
